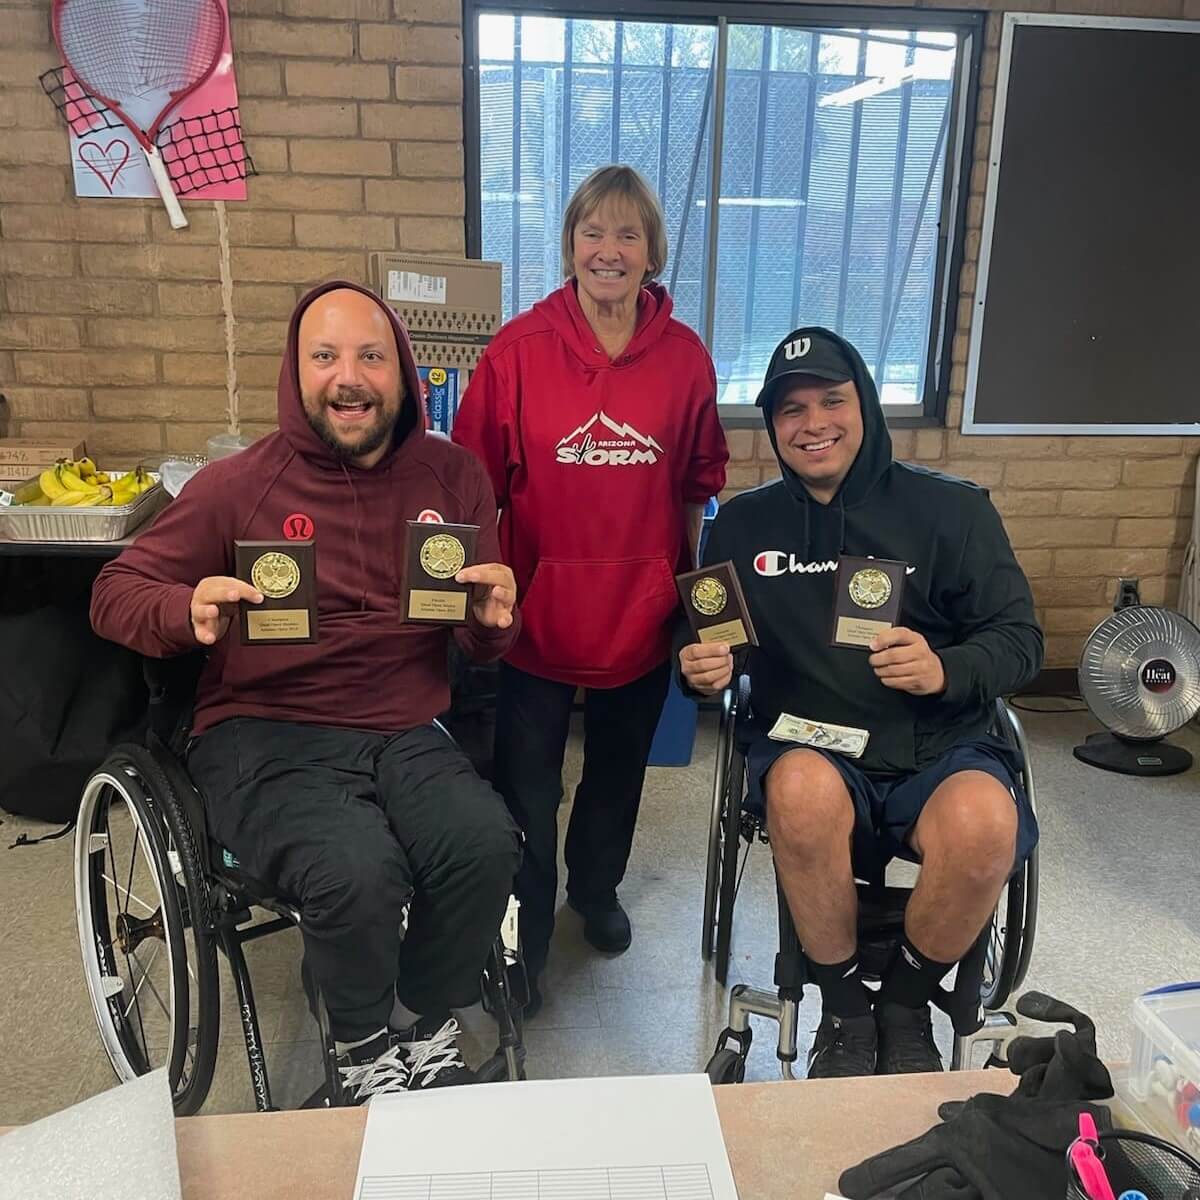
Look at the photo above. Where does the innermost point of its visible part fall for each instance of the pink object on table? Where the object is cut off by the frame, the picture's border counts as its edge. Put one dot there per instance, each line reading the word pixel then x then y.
pixel 1086 1162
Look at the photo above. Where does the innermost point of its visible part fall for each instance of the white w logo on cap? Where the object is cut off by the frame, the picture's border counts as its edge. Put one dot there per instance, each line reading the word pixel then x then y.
pixel 797 348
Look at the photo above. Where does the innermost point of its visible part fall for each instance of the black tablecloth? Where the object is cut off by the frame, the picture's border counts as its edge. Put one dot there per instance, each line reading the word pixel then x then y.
pixel 66 696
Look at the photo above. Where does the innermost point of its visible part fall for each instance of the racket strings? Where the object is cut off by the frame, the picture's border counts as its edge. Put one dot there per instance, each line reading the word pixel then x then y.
pixel 119 49
pixel 179 42
pixel 94 42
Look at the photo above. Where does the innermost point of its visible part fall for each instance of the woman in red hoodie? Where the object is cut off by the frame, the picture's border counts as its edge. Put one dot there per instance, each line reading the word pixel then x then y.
pixel 595 414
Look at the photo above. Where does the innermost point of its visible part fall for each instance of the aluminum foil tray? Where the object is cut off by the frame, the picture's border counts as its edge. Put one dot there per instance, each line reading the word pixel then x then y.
pixel 78 523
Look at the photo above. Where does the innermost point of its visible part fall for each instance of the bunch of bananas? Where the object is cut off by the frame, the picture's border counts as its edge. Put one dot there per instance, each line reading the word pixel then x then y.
pixel 73 482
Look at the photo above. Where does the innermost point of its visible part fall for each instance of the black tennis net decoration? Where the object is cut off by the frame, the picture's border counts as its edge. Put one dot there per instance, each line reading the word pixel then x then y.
pixel 197 151
pixel 83 113
pixel 203 150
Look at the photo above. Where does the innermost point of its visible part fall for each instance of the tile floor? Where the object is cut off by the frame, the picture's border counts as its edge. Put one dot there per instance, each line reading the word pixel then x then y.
pixel 1119 914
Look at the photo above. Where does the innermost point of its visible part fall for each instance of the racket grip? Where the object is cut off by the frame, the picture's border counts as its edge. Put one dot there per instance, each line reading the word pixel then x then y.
pixel 165 190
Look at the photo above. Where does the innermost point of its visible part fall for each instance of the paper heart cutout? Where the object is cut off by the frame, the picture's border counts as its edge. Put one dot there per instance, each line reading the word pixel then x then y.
pixel 104 163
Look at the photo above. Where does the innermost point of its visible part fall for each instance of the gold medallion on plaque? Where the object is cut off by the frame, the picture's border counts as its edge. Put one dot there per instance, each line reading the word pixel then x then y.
pixel 443 556
pixel 870 587
pixel 709 596
pixel 275 575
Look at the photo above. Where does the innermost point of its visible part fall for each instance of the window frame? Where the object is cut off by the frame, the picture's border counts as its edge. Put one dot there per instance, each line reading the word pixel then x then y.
pixel 969 25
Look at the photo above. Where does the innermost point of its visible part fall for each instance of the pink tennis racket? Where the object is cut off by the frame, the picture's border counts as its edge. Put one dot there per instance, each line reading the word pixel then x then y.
pixel 132 56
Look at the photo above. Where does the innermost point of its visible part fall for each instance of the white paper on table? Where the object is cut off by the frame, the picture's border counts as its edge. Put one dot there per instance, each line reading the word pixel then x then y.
pixel 653 1137
pixel 112 1147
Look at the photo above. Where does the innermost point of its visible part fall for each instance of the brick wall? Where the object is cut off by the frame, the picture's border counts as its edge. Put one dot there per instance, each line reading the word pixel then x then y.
pixel 111 324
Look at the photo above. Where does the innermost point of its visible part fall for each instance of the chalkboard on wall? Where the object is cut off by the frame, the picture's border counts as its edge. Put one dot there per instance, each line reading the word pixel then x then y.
pixel 1086 316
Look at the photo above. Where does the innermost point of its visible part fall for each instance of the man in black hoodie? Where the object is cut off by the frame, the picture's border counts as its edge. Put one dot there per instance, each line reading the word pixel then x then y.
pixel 931 785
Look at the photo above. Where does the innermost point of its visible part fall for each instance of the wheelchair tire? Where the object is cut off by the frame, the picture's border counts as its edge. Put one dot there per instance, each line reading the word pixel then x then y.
pixel 1002 959
pixel 720 796
pixel 726 1066
pixel 731 827
pixel 128 806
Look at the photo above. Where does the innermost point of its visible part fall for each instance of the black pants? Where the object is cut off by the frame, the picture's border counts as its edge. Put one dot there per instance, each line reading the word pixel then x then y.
pixel 371 834
pixel 533 718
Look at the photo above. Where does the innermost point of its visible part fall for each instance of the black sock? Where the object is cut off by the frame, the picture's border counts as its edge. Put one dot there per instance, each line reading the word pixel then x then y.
pixel 912 980
pixel 842 990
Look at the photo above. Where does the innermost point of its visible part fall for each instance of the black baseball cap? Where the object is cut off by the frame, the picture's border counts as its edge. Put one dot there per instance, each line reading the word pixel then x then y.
pixel 806 351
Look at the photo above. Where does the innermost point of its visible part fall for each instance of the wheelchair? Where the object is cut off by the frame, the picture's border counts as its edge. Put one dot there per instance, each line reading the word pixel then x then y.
pixel 992 970
pixel 156 900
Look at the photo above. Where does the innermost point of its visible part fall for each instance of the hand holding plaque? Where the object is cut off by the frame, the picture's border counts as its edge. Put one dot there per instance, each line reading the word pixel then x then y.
pixel 285 573
pixel 716 607
pixel 436 553
pixel 867 595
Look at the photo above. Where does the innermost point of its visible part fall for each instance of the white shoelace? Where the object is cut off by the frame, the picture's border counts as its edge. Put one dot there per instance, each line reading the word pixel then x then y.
pixel 428 1057
pixel 387 1073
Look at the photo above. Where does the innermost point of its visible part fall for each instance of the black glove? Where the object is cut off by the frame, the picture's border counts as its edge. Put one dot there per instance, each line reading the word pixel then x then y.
pixel 1061 1067
pixel 1000 1147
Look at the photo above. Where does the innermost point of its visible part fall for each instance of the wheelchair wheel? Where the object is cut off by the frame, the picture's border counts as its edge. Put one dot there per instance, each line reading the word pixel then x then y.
pixel 1010 945
pixel 726 1066
pixel 141 908
pixel 716 821
pixel 727 881
pixel 1011 939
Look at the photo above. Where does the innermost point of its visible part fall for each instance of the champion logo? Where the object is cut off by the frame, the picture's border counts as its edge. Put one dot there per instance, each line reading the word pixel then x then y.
pixel 772 563
pixel 603 442
pixel 775 562
pixel 797 348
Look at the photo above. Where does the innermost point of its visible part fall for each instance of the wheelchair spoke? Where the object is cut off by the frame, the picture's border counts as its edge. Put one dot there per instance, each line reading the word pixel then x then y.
pixel 129 895
pixel 137 837
pixel 125 1015
pixel 133 958
pixel 737 887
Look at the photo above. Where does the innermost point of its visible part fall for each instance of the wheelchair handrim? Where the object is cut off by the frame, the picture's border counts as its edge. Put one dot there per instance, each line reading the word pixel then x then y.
pixel 96 944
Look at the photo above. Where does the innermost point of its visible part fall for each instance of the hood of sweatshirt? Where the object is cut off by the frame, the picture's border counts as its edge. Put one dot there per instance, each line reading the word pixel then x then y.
pixel 293 420
pixel 562 311
pixel 825 524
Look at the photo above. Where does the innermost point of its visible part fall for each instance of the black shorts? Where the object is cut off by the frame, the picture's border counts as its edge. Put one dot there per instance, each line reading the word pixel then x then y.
pixel 887 806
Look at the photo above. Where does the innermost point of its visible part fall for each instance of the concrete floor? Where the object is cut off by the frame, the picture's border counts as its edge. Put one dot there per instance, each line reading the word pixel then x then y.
pixel 1118 916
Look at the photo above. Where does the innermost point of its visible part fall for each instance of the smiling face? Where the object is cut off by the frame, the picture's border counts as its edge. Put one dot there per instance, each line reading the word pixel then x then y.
pixel 351 381
pixel 819 431
pixel 611 253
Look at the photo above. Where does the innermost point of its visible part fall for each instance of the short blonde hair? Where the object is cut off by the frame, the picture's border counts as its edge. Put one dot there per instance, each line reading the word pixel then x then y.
pixel 616 182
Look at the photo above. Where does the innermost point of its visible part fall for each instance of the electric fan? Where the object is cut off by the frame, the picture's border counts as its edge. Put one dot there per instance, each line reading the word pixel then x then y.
pixel 1140 675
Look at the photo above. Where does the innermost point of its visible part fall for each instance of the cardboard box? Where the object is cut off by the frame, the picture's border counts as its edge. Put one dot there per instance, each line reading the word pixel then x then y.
pixel 35 453
pixel 452 306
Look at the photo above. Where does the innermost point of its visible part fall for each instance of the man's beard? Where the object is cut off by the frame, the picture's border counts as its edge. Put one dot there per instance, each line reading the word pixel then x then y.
pixel 372 438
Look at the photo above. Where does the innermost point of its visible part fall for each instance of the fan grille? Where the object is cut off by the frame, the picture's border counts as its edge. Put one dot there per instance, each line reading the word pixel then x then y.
pixel 1126 649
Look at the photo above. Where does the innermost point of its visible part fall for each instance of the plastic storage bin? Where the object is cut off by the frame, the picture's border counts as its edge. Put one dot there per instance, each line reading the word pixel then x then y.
pixel 1164 1075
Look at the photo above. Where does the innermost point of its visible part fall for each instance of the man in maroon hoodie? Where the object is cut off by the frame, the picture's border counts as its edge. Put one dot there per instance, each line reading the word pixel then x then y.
pixel 320 764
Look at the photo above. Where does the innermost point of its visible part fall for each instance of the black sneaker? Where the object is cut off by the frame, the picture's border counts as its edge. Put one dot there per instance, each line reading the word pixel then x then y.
pixel 906 1045
pixel 431 1054
pixel 844 1047
pixel 605 924
pixel 372 1069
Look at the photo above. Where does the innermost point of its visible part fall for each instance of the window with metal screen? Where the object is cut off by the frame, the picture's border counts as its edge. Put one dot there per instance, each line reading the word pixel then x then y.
pixel 829 178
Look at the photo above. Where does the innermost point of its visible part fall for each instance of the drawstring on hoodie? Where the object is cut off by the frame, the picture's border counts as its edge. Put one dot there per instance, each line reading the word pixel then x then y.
pixel 362 562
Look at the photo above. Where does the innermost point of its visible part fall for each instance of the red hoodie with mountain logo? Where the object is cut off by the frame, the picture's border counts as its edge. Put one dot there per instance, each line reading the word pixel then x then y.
pixel 593 461
pixel 368 670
